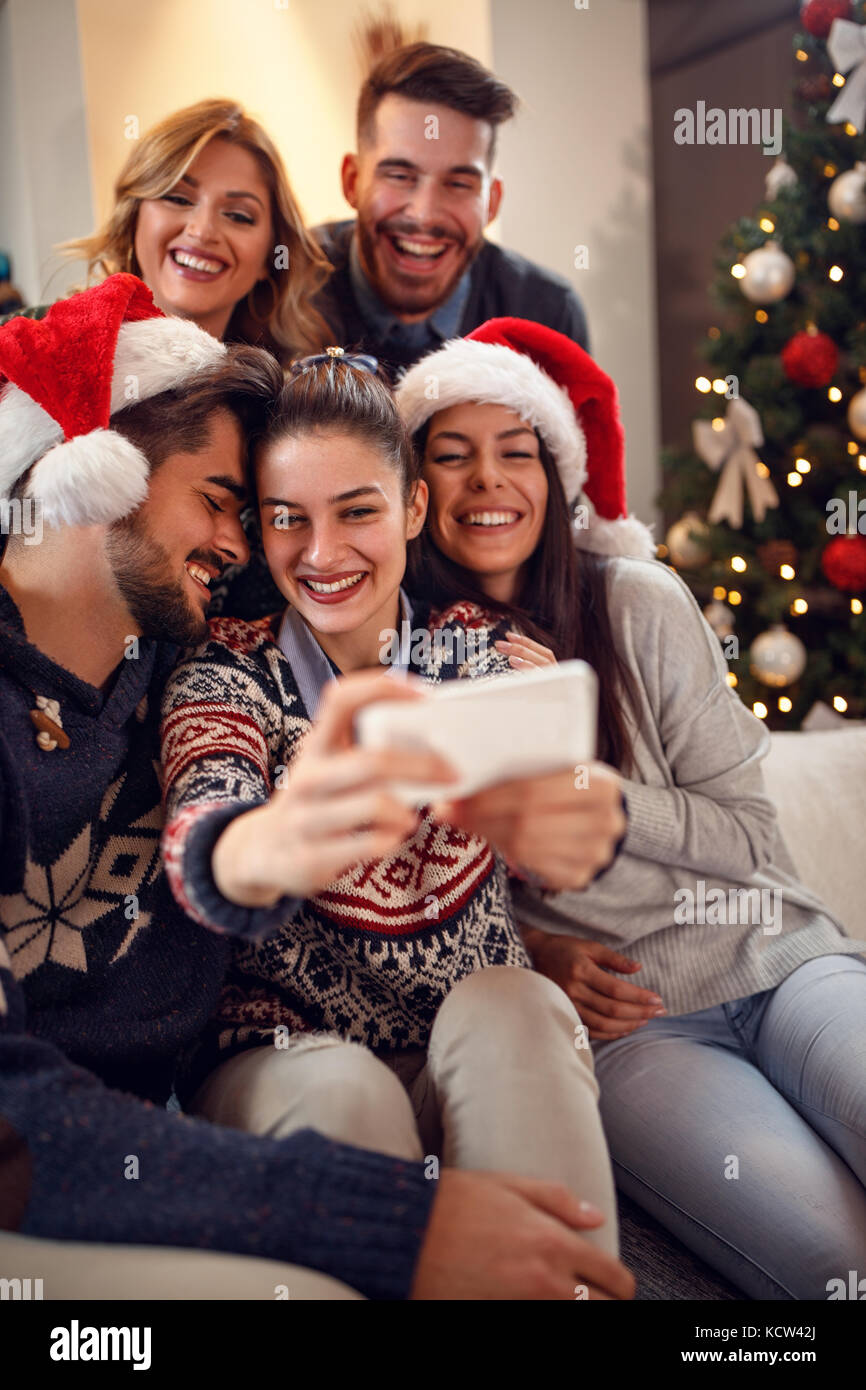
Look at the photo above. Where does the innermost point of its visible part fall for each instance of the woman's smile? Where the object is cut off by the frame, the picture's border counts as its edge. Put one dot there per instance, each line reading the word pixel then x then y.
pixel 333 588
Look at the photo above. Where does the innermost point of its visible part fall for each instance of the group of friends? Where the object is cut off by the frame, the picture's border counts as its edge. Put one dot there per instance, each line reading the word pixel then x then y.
pixel 258 450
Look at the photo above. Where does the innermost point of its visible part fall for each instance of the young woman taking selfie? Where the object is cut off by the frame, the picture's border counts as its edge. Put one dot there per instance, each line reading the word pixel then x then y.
pixel 381 990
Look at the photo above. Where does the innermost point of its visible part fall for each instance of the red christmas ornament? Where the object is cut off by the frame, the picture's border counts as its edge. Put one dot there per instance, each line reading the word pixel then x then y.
pixel 817 15
pixel 844 563
pixel 810 359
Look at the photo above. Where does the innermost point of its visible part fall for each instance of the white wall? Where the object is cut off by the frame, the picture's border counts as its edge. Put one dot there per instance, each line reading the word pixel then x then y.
pixel 577 168
pixel 292 63
pixel 44 174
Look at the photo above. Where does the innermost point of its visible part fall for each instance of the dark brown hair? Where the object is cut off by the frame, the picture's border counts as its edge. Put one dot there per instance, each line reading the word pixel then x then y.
pixel 246 384
pixel 429 72
pixel 562 603
pixel 332 394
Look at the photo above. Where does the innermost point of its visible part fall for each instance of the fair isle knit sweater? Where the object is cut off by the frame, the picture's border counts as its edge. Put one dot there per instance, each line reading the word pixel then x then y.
pixel 371 957
pixel 699 822
pixel 103 981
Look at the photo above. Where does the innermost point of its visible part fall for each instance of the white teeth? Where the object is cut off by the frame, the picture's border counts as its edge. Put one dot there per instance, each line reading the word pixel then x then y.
pixel 415 248
pixel 488 518
pixel 198 573
pixel 196 262
pixel 319 588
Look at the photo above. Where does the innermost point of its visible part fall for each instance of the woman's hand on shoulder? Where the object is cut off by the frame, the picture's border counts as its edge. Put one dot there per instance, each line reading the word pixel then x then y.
pixel 337 806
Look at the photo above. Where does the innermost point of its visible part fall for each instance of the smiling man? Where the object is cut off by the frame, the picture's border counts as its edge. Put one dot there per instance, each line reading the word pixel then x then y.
pixel 415 268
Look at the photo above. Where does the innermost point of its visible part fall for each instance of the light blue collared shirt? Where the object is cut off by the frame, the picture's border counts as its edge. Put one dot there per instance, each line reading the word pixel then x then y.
pixel 442 324
pixel 310 666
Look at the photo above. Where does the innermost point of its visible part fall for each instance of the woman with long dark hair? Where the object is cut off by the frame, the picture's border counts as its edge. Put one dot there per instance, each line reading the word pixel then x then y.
pixel 732 1089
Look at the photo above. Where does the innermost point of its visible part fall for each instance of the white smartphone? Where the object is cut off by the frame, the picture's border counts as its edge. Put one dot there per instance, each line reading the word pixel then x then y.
pixel 491 729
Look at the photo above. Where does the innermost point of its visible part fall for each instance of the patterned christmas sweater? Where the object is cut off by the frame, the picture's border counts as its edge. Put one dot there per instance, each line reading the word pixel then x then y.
pixel 104 980
pixel 373 956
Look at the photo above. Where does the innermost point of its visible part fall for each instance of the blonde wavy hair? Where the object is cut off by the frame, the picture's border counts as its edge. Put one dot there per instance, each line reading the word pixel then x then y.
pixel 278 312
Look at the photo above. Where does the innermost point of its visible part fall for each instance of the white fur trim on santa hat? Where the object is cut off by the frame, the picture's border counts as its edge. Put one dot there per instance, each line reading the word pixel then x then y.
pixel 92 480
pixel 158 355
pixel 466 370
pixel 26 433
pixel 626 535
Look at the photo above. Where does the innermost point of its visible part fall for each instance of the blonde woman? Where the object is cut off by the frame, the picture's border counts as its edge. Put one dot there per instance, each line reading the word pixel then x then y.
pixel 205 215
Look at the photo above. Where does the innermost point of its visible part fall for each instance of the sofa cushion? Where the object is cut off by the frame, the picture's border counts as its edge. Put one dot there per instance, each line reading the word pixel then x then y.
pixel 818 784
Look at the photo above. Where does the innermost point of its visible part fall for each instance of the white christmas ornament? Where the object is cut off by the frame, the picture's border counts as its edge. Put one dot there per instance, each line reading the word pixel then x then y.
pixel 720 618
pixel 684 550
pixel 857 414
pixel 780 176
pixel 769 276
pixel 777 657
pixel 847 195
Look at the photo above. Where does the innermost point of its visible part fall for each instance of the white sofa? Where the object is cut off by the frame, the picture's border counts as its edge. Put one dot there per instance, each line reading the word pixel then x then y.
pixel 818 784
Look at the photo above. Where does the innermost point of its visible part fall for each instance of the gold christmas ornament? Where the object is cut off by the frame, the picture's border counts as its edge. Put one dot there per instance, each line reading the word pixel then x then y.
pixel 720 618
pixel 777 658
pixel 847 195
pixel 857 414
pixel 686 542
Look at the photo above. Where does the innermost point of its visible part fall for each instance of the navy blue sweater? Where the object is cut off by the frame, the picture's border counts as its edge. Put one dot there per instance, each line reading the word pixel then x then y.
pixel 102 981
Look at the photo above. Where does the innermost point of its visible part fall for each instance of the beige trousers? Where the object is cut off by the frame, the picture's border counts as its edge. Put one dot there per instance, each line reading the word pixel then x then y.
pixel 72 1270
pixel 507 1085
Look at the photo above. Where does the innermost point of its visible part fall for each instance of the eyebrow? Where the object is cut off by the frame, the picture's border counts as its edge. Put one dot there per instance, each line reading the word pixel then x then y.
pixel 464 438
pixel 230 484
pixel 237 193
pixel 395 163
pixel 340 497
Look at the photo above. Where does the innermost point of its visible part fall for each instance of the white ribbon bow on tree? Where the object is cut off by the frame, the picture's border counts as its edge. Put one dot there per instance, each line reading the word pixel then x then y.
pixel 734 447
pixel 846 46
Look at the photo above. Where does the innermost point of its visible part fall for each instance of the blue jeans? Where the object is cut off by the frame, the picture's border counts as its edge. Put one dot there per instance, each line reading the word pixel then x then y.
pixel 742 1129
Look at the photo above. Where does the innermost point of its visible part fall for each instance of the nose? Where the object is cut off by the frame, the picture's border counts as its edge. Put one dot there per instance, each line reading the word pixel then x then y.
pixel 201 221
pixel 485 473
pixel 323 547
pixel 423 204
pixel 231 541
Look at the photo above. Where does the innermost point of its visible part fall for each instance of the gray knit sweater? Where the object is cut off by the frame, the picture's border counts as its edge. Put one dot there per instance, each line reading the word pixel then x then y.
pixel 699 820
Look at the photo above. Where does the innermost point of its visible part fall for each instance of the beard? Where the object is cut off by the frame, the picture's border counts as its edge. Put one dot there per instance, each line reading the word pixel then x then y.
pixel 158 602
pixel 412 298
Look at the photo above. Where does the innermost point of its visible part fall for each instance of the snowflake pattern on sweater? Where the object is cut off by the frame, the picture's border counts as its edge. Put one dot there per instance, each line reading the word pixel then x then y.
pixel 373 956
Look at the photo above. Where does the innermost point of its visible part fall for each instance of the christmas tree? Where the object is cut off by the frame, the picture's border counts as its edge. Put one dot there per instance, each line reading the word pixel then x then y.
pixel 769 508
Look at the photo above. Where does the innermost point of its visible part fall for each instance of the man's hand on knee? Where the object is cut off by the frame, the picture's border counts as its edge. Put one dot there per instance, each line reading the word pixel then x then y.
pixel 499 1236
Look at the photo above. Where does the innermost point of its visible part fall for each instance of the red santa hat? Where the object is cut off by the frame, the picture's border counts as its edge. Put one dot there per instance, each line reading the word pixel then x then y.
pixel 559 390
pixel 64 376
